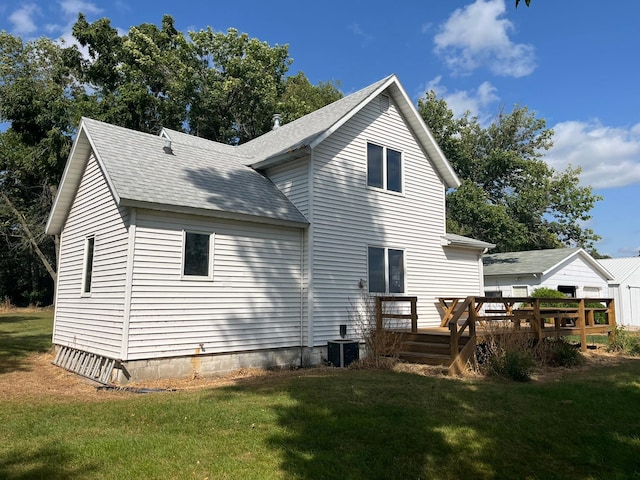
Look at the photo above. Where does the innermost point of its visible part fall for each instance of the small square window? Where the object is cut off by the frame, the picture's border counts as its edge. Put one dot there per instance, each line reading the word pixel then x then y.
pixel 520 291
pixel 384 168
pixel 197 255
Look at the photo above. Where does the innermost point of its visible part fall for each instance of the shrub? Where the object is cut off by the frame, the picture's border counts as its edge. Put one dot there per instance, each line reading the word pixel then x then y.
pixel 513 364
pixel 557 352
pixel 623 341
pixel 544 292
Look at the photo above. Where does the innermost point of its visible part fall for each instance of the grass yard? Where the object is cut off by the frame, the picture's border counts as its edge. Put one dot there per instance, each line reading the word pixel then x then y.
pixel 325 423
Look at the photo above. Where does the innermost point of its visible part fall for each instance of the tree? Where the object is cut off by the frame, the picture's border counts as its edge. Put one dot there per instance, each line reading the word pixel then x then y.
pixel 528 2
pixel 509 196
pixel 300 97
pixel 221 86
pixel 239 86
pixel 36 97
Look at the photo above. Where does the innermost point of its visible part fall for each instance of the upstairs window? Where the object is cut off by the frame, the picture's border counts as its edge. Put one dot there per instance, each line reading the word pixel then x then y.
pixel 386 270
pixel 384 168
pixel 197 255
pixel 87 273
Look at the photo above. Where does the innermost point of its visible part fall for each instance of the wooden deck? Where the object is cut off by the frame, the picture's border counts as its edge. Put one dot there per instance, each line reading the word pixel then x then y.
pixel 465 321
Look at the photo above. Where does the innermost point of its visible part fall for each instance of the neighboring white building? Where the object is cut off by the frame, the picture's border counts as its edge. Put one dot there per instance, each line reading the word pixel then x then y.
pixel 180 255
pixel 569 270
pixel 625 288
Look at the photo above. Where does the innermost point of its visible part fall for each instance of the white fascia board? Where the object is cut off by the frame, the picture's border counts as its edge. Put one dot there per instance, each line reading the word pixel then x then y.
pixel 211 213
pixel 328 132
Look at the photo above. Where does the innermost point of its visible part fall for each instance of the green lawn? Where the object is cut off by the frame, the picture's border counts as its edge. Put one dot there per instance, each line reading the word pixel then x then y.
pixel 325 424
pixel 22 334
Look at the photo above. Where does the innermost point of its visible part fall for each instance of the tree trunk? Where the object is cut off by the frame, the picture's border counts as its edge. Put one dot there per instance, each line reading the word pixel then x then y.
pixel 30 236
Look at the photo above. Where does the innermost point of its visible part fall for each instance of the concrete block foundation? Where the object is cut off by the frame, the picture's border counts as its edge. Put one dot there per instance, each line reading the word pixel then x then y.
pixel 205 365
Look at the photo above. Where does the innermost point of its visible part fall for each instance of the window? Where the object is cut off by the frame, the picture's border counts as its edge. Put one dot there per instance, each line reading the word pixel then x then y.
pixel 384 168
pixel 520 291
pixel 197 255
pixel 386 270
pixel 568 290
pixel 493 293
pixel 88 265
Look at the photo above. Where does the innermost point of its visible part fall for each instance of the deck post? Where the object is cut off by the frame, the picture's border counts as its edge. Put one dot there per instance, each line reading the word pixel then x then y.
pixel 583 325
pixel 414 314
pixel 536 320
pixel 379 313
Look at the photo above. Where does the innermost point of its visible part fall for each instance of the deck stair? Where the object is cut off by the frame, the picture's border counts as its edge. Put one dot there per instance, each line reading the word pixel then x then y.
pixel 90 365
pixel 432 348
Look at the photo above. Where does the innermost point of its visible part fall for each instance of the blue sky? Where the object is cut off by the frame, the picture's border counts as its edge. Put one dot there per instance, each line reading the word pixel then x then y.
pixel 574 63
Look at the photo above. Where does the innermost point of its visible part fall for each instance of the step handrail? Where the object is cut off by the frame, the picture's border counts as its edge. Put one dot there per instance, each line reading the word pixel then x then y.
pixel 459 358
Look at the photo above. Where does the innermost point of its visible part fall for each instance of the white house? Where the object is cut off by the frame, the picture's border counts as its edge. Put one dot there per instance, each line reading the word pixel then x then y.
pixel 180 255
pixel 625 288
pixel 570 270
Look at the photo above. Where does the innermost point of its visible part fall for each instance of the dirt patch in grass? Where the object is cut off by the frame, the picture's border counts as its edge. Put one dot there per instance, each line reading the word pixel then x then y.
pixel 42 381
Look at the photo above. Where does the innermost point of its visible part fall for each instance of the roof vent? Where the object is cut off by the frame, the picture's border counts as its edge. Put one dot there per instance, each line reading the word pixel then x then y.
pixel 167 147
pixel 276 120
pixel 384 103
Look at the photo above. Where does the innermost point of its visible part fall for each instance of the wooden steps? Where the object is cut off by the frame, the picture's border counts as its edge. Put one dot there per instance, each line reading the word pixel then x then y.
pixel 428 348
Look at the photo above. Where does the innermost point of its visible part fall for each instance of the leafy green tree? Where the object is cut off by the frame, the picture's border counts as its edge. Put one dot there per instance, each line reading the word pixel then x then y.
pixel 300 97
pixel 240 84
pixel 144 80
pixel 221 86
pixel 509 195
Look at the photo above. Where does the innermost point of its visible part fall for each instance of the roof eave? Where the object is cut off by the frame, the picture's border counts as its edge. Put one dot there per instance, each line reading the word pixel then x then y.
pixel 214 213
pixel 282 157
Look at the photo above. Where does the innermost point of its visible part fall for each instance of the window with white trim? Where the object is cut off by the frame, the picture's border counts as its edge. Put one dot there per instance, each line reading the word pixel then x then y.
pixel 197 255
pixel 520 291
pixel 87 271
pixel 384 168
pixel 386 270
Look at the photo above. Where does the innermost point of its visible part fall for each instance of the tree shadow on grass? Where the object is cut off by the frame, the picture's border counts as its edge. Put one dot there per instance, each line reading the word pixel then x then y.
pixel 386 425
pixel 19 339
pixel 359 430
pixel 49 462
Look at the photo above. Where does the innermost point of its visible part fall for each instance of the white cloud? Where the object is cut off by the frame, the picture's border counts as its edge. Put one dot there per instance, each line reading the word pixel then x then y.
pixel 357 30
pixel 478 36
pixel 23 19
pixel 71 8
pixel 609 156
pixel 474 101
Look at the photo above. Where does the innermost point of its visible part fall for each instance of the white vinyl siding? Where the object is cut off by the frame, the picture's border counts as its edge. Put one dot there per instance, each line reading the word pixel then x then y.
pixel 92 323
pixel 348 216
pixel 292 179
pixel 252 303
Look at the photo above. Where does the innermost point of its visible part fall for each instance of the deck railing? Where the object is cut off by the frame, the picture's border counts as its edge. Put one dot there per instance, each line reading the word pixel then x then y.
pixel 383 314
pixel 568 315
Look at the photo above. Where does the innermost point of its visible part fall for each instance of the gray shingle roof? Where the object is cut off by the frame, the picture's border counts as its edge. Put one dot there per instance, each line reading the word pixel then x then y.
pixel 192 177
pixel 301 132
pixel 525 263
pixel 214 177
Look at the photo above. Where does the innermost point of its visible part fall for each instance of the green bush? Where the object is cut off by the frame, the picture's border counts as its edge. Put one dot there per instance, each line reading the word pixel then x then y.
pixel 512 364
pixel 544 292
pixel 557 352
pixel 623 341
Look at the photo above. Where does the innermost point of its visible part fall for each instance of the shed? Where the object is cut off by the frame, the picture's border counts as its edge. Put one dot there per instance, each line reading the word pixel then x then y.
pixel 625 288
pixel 570 270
